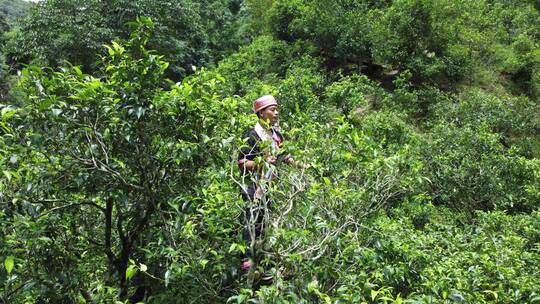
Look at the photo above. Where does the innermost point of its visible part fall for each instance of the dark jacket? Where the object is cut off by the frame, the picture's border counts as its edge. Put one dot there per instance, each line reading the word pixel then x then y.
pixel 251 149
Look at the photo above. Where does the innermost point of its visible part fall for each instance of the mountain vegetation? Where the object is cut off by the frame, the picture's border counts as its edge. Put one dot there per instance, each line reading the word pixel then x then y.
pixel 418 122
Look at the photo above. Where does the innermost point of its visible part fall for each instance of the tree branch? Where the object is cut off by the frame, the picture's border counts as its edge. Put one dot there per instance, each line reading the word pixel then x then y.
pixel 87 203
pixel 108 230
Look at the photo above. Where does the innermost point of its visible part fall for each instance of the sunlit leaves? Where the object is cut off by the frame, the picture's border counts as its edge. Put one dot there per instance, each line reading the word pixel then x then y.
pixel 119 174
pixel 9 263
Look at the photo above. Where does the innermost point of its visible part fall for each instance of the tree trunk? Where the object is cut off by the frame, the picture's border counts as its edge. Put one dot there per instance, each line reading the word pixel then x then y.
pixel 121 267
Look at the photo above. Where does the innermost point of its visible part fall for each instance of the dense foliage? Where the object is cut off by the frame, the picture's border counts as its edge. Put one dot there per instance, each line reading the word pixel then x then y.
pixel 420 120
pixel 10 12
pixel 13 9
pixel 188 33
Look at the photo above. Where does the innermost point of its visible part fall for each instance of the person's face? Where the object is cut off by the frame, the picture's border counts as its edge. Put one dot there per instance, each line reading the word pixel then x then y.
pixel 269 114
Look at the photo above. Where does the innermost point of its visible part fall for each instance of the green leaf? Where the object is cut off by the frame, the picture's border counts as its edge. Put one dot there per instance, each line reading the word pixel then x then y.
pixel 9 263
pixel 203 263
pixel 45 239
pixel 140 112
pixel 313 286
pixel 233 247
pixel 374 294
pixel 7 174
pixel 130 271
pixel 77 71
pixel 326 181
pixel 109 50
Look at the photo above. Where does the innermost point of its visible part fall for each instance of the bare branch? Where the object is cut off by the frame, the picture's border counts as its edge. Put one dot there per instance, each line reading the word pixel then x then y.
pixel 67 205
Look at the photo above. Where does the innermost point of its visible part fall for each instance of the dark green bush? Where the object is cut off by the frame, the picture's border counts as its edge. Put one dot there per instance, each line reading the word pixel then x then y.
pixel 506 115
pixel 416 35
pixel 337 31
pixel 300 89
pixel 187 32
pixel 448 260
pixel 256 65
pixel 387 129
pixel 354 95
pixel 513 118
pixel 468 168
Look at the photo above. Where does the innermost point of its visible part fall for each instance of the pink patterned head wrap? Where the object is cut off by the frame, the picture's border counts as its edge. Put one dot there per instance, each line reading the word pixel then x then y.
pixel 264 102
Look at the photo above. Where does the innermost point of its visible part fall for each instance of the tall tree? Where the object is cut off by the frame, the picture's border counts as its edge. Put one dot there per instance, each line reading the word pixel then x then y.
pixel 112 151
pixel 188 32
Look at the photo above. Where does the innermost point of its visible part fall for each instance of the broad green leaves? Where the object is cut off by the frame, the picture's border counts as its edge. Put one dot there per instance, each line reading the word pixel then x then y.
pixel 189 33
pixel 9 263
pixel 119 146
pixel 110 163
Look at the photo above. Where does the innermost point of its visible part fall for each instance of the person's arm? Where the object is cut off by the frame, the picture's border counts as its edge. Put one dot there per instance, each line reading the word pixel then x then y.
pixel 251 158
pixel 246 165
pixel 297 164
pixel 255 164
pixel 248 154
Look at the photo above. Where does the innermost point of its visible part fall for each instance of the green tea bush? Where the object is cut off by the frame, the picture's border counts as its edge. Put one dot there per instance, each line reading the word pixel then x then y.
pixel 354 95
pixel 418 102
pixel 411 35
pixel 448 258
pixel 388 129
pixel 334 28
pixel 110 154
pixel 442 46
pixel 315 230
pixel 260 63
pixel 482 262
pixel 468 168
pixel 513 118
pixel 525 73
pixel 185 34
pixel 299 90
pixel 506 115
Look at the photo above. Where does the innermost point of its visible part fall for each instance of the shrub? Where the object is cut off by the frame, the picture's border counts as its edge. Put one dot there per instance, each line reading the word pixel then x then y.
pixel 468 168
pixel 411 35
pixel 299 90
pixel 504 114
pixel 260 63
pixel 354 95
pixel 388 129
pixel 339 35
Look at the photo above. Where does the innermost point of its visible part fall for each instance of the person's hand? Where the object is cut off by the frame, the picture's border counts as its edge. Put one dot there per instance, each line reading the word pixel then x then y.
pixel 271 159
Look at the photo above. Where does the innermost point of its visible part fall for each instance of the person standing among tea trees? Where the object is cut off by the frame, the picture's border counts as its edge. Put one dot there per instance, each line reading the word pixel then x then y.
pixel 257 161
